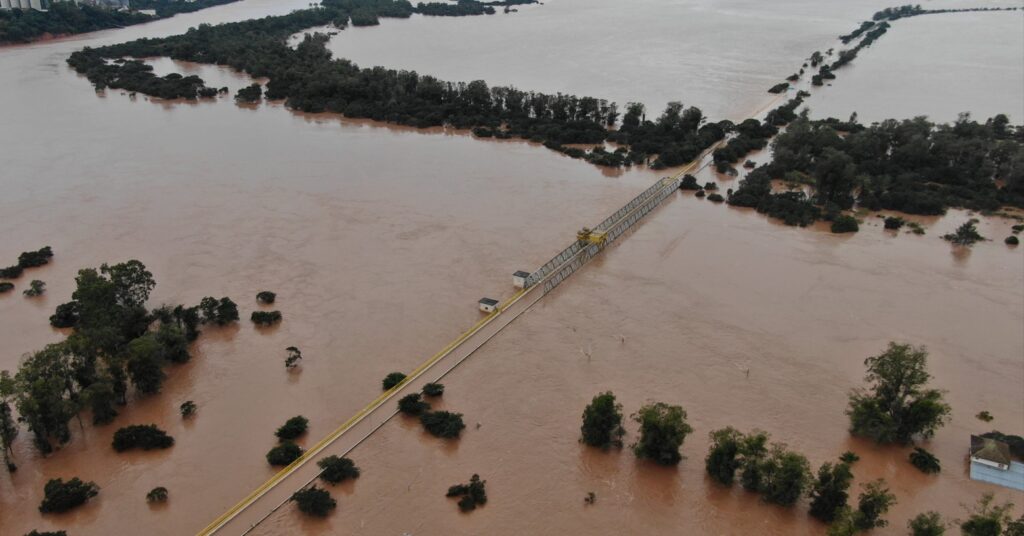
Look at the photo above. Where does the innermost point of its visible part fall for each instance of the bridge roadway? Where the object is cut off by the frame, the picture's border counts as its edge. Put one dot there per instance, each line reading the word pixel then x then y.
pixel 273 494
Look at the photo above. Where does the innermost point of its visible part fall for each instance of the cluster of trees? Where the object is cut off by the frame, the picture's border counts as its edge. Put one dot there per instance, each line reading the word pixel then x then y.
pixel 316 501
pixel 470 495
pixel 780 475
pixel 111 345
pixel 27 259
pixel 913 166
pixel 286 451
pixel 6 287
pixel 310 80
pixel 752 135
pixel 60 496
pixel 114 344
pixel 442 424
pixel 663 428
pixel 66 18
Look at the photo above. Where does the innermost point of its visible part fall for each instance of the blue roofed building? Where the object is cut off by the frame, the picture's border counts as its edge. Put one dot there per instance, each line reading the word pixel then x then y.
pixel 992 462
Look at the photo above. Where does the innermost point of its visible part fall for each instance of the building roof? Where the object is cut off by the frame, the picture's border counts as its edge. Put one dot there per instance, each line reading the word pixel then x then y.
pixel 488 301
pixel 991 450
pixel 520 273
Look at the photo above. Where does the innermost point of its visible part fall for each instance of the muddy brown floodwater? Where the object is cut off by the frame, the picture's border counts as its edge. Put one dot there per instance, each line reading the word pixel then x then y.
pixel 378 242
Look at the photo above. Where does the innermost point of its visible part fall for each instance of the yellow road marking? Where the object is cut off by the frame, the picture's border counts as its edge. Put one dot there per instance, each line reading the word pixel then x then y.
pixel 233 512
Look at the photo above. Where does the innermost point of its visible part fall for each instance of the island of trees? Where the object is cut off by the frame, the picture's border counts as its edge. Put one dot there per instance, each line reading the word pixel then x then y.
pixel 913 166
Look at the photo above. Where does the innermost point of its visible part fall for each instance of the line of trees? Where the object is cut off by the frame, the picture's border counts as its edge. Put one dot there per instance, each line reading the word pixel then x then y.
pixel 663 428
pixel 310 80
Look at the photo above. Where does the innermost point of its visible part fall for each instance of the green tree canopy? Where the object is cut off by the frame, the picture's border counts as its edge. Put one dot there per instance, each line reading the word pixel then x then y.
pixel 897 406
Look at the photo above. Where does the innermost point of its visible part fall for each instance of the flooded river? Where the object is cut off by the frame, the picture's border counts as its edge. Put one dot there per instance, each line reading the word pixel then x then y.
pixel 378 242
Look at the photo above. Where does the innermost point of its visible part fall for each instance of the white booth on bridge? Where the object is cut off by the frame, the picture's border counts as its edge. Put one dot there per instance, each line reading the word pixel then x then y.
pixel 488 305
pixel 519 278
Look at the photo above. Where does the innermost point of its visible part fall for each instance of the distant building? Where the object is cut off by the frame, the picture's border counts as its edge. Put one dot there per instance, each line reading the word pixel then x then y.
pixel 992 462
pixel 488 305
pixel 39 5
pixel 43 5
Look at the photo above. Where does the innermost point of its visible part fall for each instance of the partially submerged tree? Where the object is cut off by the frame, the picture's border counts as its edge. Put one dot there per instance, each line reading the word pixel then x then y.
pixel 927 524
pixel 925 461
pixel 433 389
pixel 265 318
pixel 60 496
pixel 141 436
pixel 471 495
pixel 284 453
pixel 293 358
pixel 157 495
pixel 292 428
pixel 8 426
pixel 663 428
pixel 188 409
pixel 314 501
pixel 35 288
pixel 723 459
pixel 965 235
pixel 602 422
pixel 986 518
pixel 412 404
pixel 829 491
pixel 873 503
pixel 443 424
pixel 266 297
pixel 898 406
pixel 220 312
pixel 392 380
pixel 336 469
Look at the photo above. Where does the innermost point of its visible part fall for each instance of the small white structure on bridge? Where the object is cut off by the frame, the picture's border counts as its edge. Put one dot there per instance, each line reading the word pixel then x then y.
pixel 488 305
pixel 992 462
pixel 519 278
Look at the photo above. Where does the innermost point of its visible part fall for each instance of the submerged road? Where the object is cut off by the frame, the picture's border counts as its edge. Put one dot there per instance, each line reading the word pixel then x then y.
pixel 266 499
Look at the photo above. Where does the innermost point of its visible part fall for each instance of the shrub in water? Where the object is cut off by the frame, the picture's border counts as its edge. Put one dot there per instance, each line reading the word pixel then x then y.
pixel 433 389
pixel 284 454
pixel 60 496
pixel 142 436
pixel 442 423
pixel 314 501
pixel 392 380
pixel 337 469
pixel 292 428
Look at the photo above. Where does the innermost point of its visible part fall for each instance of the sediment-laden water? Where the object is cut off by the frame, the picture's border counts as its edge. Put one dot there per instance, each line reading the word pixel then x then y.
pixel 380 240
